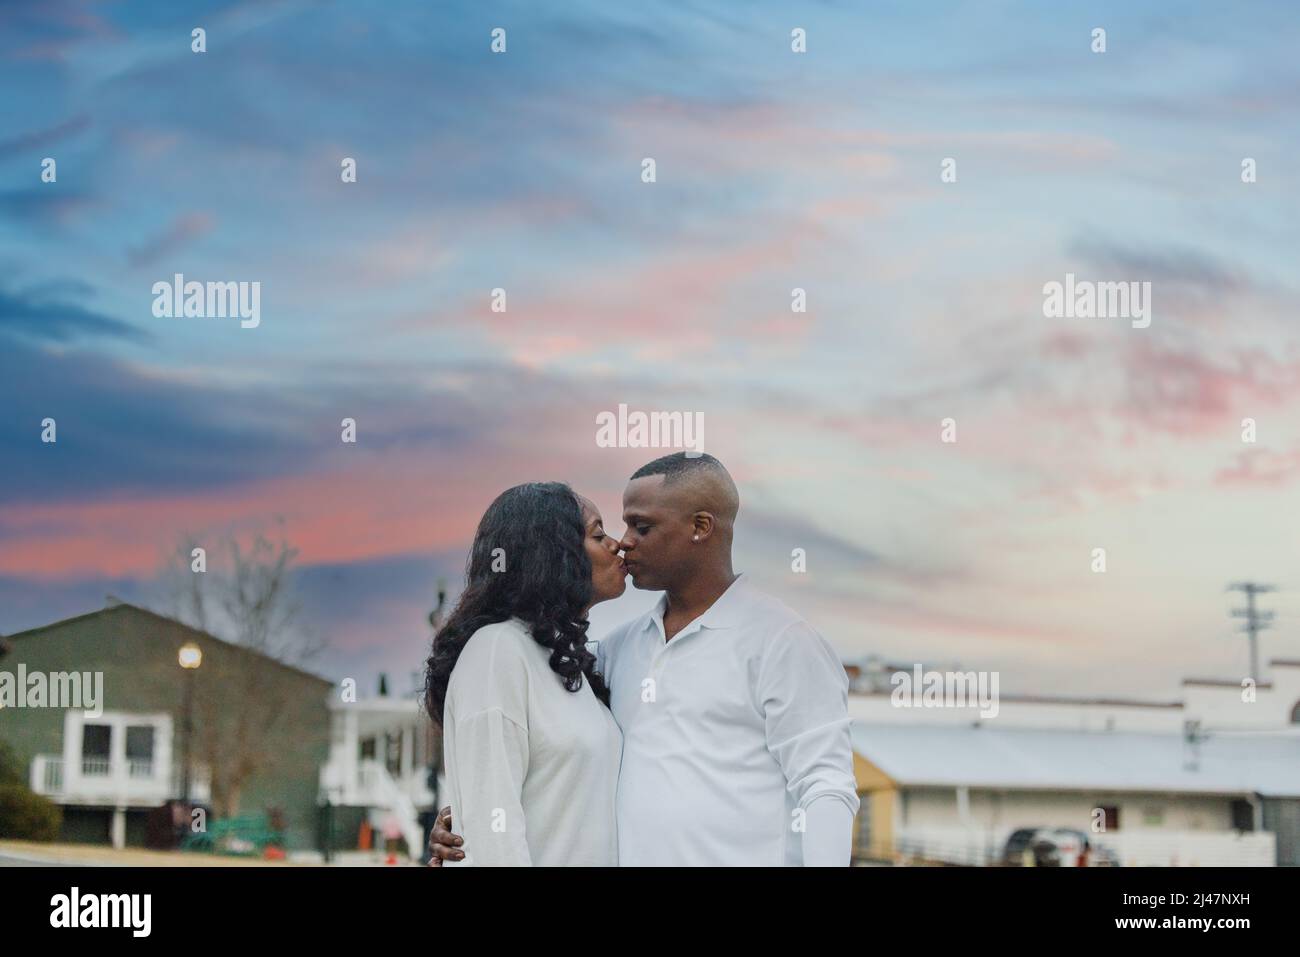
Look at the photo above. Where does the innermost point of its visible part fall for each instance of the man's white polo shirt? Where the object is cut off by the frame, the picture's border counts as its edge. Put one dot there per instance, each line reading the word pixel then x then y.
pixel 728 729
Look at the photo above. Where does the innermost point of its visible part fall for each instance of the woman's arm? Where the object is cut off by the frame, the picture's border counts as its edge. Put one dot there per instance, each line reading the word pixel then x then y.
pixel 489 706
pixel 491 763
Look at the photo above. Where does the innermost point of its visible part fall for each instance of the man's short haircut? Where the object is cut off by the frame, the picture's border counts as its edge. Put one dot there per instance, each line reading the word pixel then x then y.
pixel 679 465
pixel 704 477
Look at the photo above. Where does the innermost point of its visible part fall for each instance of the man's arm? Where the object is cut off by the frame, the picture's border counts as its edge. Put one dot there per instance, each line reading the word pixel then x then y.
pixel 828 839
pixel 803 690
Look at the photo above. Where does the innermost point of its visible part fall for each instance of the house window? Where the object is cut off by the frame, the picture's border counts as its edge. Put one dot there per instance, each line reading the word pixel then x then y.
pixel 1243 816
pixel 1295 713
pixel 139 751
pixel 95 742
pixel 1110 817
pixel 1153 816
pixel 367 748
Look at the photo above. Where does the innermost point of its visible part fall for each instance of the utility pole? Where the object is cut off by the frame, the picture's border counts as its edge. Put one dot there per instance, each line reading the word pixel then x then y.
pixel 429 817
pixel 1256 620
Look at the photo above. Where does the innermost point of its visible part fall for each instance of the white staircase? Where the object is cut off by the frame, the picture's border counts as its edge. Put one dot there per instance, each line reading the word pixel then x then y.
pixel 383 793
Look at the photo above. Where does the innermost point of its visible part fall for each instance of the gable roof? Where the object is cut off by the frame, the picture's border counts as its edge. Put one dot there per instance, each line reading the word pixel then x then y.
pixel 123 606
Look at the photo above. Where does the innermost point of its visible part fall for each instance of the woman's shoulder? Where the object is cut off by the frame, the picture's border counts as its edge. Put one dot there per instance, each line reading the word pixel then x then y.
pixel 509 634
pixel 495 651
pixel 493 672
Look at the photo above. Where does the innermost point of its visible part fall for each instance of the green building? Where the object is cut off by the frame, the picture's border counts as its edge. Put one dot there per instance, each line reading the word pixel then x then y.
pixel 256 730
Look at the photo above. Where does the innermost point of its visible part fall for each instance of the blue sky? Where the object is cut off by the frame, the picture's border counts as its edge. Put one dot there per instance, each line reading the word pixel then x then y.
pixel 775 170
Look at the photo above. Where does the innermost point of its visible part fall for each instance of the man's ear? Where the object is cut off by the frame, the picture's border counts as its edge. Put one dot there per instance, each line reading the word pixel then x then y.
pixel 704 526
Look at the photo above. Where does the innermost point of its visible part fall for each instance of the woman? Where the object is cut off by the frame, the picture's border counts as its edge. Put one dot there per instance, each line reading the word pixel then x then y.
pixel 532 751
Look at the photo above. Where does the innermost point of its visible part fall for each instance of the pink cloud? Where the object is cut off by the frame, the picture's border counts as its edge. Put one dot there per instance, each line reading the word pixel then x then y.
pixel 1185 393
pixel 1261 467
pixel 335 517
pixel 385 504
pixel 663 308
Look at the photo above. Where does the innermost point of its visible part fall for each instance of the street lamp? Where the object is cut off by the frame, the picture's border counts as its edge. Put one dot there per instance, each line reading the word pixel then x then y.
pixel 189 657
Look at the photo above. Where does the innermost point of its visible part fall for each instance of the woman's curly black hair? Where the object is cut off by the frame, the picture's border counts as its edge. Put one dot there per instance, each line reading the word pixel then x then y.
pixel 528 561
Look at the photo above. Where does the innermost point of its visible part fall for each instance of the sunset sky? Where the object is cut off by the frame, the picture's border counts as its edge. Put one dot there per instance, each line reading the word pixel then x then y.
pixel 775 170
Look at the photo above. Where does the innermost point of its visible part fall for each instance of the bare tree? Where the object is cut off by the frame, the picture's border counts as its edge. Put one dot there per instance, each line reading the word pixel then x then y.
pixel 242 701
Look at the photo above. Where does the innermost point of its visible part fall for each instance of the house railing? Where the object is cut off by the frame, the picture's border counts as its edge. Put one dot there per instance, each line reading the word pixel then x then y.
pixel 95 767
pixel 101 780
pixel 47 774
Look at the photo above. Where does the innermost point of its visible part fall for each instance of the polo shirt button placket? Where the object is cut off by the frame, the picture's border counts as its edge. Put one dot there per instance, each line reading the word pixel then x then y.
pixel 657 663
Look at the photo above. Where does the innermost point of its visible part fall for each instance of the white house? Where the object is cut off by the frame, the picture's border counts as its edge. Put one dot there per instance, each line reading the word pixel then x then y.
pixel 381 750
pixel 1211 779
pixel 118 760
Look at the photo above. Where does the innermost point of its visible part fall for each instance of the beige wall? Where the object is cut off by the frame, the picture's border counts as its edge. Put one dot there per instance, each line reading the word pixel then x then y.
pixel 1003 812
pixel 879 798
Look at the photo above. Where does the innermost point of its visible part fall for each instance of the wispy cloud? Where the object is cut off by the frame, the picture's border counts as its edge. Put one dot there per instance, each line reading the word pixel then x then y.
pixel 32 314
pixel 183 230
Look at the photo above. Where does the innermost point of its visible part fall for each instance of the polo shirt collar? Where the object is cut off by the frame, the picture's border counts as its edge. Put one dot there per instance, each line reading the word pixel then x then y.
pixel 723 613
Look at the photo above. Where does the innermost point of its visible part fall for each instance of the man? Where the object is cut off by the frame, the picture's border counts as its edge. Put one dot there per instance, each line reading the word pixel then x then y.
pixel 733 709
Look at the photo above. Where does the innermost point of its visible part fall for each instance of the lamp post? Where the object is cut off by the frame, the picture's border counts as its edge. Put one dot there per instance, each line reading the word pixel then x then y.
pixel 189 657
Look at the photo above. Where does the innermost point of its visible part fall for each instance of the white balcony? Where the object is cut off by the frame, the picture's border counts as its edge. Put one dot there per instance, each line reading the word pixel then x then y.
pixel 351 777
pixel 47 774
pixel 137 782
pixel 95 767
pixel 116 779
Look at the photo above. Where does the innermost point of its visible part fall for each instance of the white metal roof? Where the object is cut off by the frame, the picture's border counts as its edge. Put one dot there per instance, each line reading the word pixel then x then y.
pixel 1230 762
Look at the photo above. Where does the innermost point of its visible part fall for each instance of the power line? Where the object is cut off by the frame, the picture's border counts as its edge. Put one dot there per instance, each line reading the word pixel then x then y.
pixel 1256 620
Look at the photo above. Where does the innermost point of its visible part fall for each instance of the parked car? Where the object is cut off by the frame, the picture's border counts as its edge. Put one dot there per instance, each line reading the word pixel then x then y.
pixel 1059 847
pixel 1018 846
pixel 1055 847
pixel 1100 856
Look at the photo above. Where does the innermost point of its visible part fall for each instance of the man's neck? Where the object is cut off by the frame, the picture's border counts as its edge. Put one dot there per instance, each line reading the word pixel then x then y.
pixel 694 598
